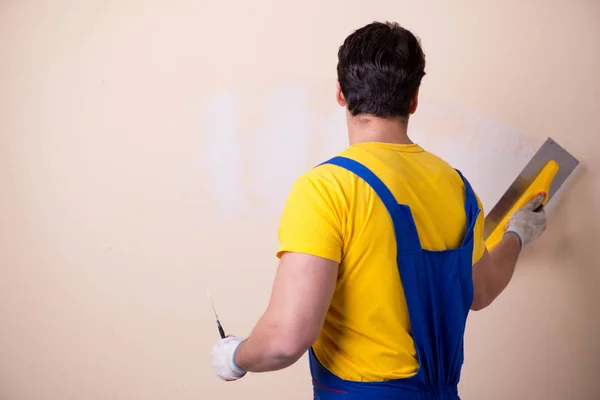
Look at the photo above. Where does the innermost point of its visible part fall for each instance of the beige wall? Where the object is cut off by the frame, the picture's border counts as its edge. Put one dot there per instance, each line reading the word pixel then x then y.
pixel 146 148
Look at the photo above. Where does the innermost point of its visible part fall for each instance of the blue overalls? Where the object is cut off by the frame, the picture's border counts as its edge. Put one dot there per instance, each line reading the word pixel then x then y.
pixel 438 287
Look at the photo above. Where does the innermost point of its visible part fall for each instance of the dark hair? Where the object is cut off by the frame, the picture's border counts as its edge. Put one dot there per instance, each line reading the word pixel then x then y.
pixel 380 66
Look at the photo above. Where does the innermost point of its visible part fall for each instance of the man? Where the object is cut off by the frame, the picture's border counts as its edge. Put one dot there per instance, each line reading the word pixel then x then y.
pixel 381 249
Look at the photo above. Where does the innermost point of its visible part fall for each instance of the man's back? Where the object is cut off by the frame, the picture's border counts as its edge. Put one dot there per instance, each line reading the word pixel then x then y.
pixel 366 335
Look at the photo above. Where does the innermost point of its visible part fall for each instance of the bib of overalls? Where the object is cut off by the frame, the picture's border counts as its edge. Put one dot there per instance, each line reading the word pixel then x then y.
pixel 438 287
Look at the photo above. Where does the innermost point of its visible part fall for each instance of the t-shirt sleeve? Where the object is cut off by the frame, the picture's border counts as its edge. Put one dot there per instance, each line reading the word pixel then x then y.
pixel 479 243
pixel 311 219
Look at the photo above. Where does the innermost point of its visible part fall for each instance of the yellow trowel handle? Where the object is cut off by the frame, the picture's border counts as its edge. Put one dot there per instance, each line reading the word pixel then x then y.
pixel 541 184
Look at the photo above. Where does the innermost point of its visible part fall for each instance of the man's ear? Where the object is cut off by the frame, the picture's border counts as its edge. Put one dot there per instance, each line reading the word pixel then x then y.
pixel 339 96
pixel 414 102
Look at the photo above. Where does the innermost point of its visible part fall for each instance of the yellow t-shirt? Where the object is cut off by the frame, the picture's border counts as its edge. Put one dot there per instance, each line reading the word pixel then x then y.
pixel 332 213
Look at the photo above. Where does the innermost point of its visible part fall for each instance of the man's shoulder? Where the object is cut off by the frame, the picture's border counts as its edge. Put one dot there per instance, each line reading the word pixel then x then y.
pixel 442 163
pixel 457 176
pixel 447 169
pixel 326 173
pixel 324 180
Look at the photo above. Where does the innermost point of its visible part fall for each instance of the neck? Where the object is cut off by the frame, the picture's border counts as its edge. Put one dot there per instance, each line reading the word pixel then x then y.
pixel 368 128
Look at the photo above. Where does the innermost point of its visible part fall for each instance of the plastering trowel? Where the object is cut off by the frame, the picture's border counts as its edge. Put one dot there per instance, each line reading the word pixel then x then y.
pixel 546 172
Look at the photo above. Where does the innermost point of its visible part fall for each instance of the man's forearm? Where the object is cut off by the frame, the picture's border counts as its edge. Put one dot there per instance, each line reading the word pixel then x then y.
pixel 301 295
pixel 493 272
pixel 505 257
pixel 495 277
pixel 266 349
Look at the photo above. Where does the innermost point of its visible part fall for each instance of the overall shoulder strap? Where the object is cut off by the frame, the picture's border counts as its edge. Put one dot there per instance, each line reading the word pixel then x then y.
pixel 407 238
pixel 472 210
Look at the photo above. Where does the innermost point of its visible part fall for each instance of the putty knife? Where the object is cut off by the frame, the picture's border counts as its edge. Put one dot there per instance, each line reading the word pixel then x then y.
pixel 547 170
pixel 219 326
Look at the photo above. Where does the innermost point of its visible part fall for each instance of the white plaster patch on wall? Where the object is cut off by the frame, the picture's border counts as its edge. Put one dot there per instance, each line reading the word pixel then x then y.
pixel 255 180
pixel 221 156
pixel 249 172
pixel 279 147
pixel 333 135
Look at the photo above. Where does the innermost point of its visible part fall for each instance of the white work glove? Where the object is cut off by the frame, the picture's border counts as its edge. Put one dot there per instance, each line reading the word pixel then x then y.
pixel 527 223
pixel 222 355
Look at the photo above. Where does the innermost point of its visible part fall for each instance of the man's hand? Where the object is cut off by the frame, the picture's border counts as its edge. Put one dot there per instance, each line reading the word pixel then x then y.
pixel 223 353
pixel 527 223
